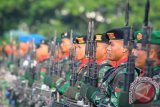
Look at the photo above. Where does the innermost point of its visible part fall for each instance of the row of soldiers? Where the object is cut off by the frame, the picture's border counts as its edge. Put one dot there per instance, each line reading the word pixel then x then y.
pixel 70 77
pixel 111 58
pixel 118 68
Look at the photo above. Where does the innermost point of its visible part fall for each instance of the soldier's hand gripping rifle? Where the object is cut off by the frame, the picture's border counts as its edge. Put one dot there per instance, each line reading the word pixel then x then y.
pixel 72 62
pixel 90 52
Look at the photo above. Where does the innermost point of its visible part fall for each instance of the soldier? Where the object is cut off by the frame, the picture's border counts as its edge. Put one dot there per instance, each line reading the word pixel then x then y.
pixel 42 51
pixel 101 54
pixel 31 59
pixel 154 54
pixel 113 81
pixel 65 47
pixel 42 55
pixel 80 57
pixel 23 48
pixel 62 61
pixel 102 42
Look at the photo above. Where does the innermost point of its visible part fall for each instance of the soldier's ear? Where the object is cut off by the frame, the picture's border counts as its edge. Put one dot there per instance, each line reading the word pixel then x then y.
pixel 125 50
pixel 152 53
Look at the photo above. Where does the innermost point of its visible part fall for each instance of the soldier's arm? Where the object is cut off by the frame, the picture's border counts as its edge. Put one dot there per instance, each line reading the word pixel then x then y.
pixel 102 72
pixel 109 93
pixel 60 83
pixel 118 86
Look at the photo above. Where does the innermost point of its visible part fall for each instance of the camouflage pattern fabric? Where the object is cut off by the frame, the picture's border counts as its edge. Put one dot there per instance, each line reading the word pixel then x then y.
pixel 104 66
pixel 111 87
pixel 81 74
pixel 3 87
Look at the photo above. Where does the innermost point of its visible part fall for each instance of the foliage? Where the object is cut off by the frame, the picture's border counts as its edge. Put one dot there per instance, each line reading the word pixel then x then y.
pixel 47 16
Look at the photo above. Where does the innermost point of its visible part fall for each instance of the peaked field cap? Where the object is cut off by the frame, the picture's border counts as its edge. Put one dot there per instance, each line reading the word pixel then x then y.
pixel 155 37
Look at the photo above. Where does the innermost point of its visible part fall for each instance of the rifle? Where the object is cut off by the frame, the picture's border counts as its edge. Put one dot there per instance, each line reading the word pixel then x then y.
pixel 32 65
pixel 90 52
pixel 129 76
pixel 72 62
pixel 58 64
pixel 147 79
pixel 11 57
pixel 52 47
pixel 128 43
pixel 146 40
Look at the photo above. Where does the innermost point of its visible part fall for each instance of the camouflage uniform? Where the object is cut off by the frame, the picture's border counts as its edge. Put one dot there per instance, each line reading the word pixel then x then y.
pixel 102 63
pixel 62 84
pixel 103 67
pixel 65 68
pixel 112 85
pixel 114 79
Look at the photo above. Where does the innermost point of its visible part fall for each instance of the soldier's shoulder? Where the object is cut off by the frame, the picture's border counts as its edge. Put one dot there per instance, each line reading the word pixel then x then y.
pixel 105 65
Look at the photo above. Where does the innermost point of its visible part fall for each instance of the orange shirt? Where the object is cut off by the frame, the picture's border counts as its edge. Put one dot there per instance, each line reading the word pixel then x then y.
pixel 23 48
pixel 8 49
pixel 42 53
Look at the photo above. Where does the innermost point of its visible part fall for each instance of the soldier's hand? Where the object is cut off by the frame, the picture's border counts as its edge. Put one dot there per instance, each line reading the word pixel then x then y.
pixel 83 90
pixel 72 93
pixel 87 91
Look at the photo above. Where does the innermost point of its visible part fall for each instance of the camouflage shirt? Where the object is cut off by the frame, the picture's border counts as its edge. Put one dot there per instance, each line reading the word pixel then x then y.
pixel 111 86
pixel 63 84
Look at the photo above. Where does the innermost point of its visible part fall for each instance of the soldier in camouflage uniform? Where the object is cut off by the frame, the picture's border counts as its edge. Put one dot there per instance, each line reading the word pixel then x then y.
pixel 36 63
pixel 113 82
pixel 101 59
pixel 154 54
pixel 101 54
pixel 65 47
pixel 79 45
pixel 63 73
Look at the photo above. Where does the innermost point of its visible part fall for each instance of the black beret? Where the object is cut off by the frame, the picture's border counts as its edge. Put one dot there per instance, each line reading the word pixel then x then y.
pixel 65 35
pixel 80 39
pixel 115 34
pixel 103 38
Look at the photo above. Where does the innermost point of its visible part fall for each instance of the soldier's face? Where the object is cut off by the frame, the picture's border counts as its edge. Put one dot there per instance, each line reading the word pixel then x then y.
pixel 115 50
pixel 101 50
pixel 65 45
pixel 141 56
pixel 80 51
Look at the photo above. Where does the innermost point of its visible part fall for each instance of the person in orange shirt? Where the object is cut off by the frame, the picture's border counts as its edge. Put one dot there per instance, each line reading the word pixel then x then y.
pixel 8 49
pixel 23 48
pixel 42 51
